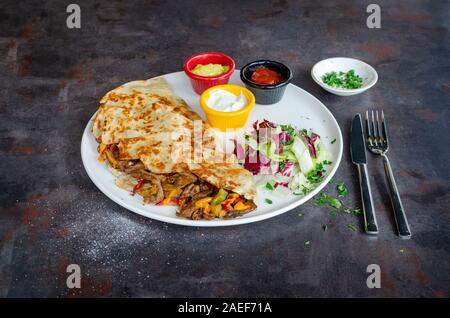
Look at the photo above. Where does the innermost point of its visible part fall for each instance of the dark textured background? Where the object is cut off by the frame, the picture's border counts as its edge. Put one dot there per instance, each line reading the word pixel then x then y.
pixel 51 79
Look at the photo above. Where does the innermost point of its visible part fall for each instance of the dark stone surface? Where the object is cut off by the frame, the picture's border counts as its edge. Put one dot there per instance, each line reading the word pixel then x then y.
pixel 52 215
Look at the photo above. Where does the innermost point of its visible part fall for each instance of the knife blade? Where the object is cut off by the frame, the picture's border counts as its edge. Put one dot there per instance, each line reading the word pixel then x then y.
pixel 359 158
pixel 358 147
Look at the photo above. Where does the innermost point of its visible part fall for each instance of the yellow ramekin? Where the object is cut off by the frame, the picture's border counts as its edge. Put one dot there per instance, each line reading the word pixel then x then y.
pixel 228 120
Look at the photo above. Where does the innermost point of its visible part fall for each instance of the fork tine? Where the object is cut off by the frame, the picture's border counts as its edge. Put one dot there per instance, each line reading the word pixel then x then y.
pixel 375 135
pixel 384 129
pixel 378 124
pixel 369 132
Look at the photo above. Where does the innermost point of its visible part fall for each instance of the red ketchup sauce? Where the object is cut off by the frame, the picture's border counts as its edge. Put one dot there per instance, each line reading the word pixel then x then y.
pixel 265 76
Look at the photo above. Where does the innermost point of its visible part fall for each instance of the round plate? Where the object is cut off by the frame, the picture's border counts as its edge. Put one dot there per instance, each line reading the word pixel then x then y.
pixel 297 107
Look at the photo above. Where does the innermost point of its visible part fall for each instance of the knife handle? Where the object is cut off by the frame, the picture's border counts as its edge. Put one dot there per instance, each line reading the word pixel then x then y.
pixel 370 220
pixel 399 211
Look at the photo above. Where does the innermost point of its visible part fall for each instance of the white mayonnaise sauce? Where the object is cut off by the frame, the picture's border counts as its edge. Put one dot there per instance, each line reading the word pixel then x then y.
pixel 225 101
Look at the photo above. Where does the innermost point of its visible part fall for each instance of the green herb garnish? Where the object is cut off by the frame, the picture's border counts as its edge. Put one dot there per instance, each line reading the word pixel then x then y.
pixel 305 190
pixel 352 227
pixel 353 211
pixel 341 189
pixel 289 129
pixel 268 201
pixel 333 141
pixel 316 175
pixel 327 199
pixel 348 80
pixel 270 185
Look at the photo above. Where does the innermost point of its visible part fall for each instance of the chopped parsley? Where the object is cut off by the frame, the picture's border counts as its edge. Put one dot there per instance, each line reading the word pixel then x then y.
pixel 307 132
pixel 333 141
pixel 336 205
pixel 348 80
pixel 327 199
pixel 305 190
pixel 341 189
pixel 288 129
pixel 270 185
pixel 353 211
pixel 268 201
pixel 316 175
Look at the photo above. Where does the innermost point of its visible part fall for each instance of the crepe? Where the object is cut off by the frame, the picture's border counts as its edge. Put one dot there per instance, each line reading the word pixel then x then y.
pixel 148 122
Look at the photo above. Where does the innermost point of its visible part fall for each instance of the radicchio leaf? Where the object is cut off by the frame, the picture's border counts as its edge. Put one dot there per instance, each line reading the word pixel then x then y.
pixel 255 161
pixel 288 168
pixel 311 143
pixel 238 150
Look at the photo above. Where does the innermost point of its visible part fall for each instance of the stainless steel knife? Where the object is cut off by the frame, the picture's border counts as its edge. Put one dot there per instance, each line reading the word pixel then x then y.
pixel 359 158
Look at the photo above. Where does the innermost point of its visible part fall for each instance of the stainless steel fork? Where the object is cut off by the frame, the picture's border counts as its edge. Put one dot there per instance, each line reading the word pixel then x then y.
pixel 377 142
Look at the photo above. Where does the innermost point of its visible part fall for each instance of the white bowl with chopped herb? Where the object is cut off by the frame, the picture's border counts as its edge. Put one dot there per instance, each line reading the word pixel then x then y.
pixel 344 76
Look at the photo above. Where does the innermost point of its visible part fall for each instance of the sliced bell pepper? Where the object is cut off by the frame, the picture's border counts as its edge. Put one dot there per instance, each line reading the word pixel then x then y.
pixel 233 195
pixel 138 185
pixel 167 200
pixel 226 205
pixel 111 159
pixel 240 206
pixel 201 203
pixel 237 200
pixel 219 197
pixel 217 210
pixel 101 149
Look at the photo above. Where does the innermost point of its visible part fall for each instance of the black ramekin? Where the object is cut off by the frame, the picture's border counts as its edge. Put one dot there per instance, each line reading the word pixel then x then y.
pixel 266 94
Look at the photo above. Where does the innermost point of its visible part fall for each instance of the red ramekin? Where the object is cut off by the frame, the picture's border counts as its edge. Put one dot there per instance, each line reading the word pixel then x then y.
pixel 202 83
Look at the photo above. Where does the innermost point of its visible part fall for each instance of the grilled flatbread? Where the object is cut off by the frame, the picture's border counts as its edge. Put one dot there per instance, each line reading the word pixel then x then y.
pixel 144 124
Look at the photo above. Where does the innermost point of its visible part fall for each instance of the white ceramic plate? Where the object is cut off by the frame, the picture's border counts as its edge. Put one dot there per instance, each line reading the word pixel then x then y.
pixel 344 64
pixel 297 107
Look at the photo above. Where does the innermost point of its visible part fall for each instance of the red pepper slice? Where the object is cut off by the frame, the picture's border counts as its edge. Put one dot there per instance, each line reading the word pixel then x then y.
pixel 138 185
pixel 226 205
pixel 238 200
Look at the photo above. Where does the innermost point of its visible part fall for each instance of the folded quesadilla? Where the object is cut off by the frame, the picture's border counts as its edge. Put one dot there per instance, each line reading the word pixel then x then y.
pixel 159 148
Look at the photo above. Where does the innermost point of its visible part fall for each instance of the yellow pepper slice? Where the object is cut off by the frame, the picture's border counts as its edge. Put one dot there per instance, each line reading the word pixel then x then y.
pixel 172 193
pixel 101 149
pixel 233 196
pixel 203 202
pixel 111 160
pixel 240 206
